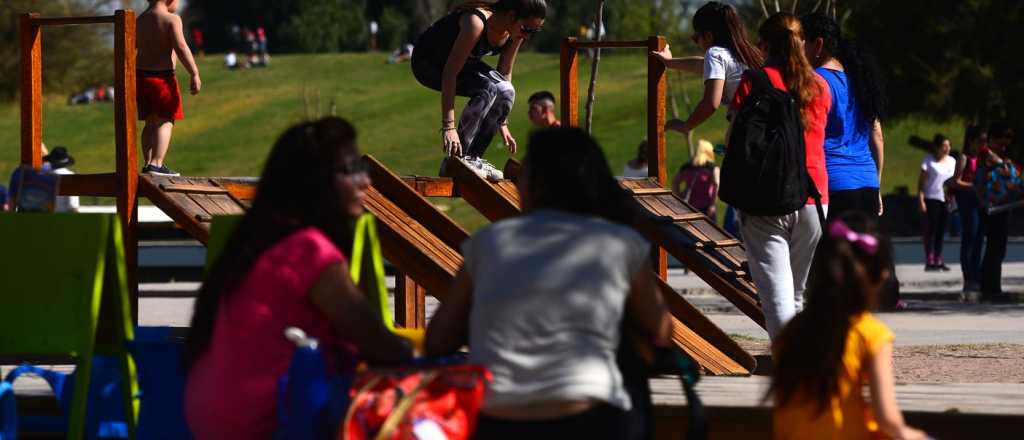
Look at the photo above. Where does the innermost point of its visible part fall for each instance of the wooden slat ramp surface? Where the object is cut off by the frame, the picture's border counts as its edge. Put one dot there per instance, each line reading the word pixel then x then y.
pixel 692 332
pixel 690 236
pixel 192 201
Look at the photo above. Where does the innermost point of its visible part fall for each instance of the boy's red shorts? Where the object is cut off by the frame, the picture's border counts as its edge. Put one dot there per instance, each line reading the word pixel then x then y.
pixel 156 93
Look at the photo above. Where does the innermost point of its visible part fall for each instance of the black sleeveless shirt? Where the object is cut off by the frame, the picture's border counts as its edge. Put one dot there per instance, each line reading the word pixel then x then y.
pixel 437 41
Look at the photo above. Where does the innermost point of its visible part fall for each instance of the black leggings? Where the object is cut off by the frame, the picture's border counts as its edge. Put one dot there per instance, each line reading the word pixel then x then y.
pixel 934 228
pixel 490 95
pixel 600 422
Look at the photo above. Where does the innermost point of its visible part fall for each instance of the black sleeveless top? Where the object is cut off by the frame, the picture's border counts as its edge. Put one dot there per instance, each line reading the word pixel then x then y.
pixel 437 41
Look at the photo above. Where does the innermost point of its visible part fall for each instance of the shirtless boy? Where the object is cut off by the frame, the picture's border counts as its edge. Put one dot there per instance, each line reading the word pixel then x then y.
pixel 160 42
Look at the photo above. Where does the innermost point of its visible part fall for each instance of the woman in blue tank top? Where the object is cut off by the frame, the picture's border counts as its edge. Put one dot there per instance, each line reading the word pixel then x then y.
pixel 449 58
pixel 854 144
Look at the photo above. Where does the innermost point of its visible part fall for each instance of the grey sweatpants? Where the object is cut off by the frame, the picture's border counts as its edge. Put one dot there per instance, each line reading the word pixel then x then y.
pixel 779 252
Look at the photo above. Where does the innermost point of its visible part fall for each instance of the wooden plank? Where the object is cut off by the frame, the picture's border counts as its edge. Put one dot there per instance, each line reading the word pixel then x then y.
pixel 221 197
pixel 100 185
pixel 687 314
pixel 432 186
pixel 649 191
pixel 568 73
pixel 31 91
pixel 417 207
pixel 241 191
pixel 410 303
pixel 177 206
pixel 67 21
pixel 125 116
pixel 197 189
pixel 492 201
pixel 656 86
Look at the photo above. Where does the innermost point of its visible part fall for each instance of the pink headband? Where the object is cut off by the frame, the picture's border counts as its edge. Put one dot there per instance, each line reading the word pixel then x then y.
pixel 867 243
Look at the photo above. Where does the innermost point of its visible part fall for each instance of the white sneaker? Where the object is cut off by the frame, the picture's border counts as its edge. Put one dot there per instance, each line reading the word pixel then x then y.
pixel 491 172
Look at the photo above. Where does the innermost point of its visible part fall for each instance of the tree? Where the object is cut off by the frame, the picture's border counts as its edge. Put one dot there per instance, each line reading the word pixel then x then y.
pixel 73 56
pixel 947 59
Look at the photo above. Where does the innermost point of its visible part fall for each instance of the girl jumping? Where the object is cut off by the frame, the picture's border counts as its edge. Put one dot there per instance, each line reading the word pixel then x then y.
pixel 827 353
pixel 727 54
pixel 449 58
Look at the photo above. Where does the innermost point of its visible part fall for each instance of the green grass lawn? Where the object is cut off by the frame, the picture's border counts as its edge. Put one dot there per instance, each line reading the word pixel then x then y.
pixel 230 127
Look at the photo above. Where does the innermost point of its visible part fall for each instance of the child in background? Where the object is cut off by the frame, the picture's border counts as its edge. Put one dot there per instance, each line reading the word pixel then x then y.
pixel 936 169
pixel 701 178
pixel 727 53
pixel 826 353
pixel 637 166
pixel 160 43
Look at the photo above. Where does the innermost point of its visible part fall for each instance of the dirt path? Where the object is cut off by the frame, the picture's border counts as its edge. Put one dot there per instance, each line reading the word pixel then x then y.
pixel 965 363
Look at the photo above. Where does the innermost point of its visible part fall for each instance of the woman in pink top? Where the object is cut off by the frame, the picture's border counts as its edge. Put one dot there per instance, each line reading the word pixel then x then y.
pixel 283 267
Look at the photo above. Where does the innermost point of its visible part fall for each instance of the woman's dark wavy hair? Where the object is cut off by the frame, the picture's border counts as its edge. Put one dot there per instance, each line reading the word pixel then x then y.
pixel 858 63
pixel 296 190
pixel 521 8
pixel 843 283
pixel 938 140
pixel 568 171
pixel 971 134
pixel 727 31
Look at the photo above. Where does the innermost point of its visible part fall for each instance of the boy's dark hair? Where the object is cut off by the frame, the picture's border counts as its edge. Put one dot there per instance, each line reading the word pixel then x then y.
pixel 727 31
pixel 858 64
pixel 521 8
pixel 567 171
pixel 938 140
pixel 296 190
pixel 542 96
pixel 842 285
pixel 999 130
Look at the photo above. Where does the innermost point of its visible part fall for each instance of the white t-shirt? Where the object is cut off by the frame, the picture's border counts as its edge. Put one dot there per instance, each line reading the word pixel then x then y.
pixel 549 293
pixel 720 64
pixel 65 203
pixel 936 173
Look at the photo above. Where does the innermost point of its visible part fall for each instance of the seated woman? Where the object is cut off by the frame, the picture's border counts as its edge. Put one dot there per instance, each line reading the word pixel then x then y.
pixel 283 266
pixel 541 297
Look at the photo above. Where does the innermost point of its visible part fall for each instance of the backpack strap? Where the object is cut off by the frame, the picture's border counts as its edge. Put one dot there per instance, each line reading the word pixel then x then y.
pixel 759 80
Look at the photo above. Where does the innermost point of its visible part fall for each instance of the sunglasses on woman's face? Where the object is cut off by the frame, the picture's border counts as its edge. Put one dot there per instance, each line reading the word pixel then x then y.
pixel 529 30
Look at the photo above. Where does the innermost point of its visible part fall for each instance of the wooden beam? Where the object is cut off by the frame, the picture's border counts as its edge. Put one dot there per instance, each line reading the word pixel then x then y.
pixel 417 207
pixel 495 201
pixel 570 83
pixel 100 185
pixel 410 303
pixel 195 189
pixel 68 21
pixel 241 191
pixel 31 91
pixel 171 204
pixel 656 81
pixel 125 115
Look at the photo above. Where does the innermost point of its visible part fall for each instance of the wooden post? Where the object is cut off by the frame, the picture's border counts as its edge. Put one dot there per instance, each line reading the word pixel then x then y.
pixel 410 303
pixel 31 91
pixel 570 86
pixel 656 81
pixel 124 141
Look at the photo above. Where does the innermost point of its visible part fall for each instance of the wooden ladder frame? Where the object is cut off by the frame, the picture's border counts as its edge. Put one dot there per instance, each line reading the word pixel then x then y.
pixel 122 183
pixel 656 83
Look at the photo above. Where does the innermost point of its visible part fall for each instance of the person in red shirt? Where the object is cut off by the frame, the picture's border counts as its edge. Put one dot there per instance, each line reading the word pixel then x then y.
pixel 780 248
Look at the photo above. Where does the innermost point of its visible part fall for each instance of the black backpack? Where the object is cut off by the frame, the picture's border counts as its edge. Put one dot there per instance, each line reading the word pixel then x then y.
pixel 764 172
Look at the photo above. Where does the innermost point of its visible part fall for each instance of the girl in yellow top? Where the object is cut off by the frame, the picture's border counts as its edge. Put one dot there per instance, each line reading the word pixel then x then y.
pixel 828 352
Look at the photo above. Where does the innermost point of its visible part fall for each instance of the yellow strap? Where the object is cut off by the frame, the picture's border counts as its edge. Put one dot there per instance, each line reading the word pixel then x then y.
pixel 387 430
pixel 366 231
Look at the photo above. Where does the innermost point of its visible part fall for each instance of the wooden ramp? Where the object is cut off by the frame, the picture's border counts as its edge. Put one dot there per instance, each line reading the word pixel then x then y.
pixel 692 332
pixel 410 246
pixel 495 201
pixel 193 201
pixel 690 236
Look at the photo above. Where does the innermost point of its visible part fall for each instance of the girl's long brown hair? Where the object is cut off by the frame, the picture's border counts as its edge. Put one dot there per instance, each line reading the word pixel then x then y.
pixel 843 283
pixel 784 36
pixel 727 31
pixel 521 8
